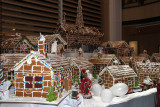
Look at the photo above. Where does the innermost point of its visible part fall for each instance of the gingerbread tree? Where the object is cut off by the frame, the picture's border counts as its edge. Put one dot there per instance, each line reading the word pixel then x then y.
pixel 51 96
pixel 1 74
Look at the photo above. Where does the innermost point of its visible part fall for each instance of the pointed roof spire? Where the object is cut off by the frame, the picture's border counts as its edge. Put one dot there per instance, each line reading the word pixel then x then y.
pixel 79 19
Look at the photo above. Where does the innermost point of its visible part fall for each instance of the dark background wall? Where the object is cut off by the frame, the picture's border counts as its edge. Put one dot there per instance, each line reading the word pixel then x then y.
pixel 148 36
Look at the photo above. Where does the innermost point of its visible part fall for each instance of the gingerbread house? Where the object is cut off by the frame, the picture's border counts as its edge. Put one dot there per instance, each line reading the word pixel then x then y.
pixel 78 35
pixel 100 60
pixel 17 44
pixel 49 40
pixel 37 71
pixel 120 48
pixel 147 69
pixel 111 75
pixel 155 57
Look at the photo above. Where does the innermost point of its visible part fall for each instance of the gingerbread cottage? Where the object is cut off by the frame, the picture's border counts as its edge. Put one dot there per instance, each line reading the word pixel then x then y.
pixel 111 75
pixel 120 48
pixel 17 44
pixel 100 60
pixel 78 35
pixel 155 57
pixel 147 69
pixel 38 70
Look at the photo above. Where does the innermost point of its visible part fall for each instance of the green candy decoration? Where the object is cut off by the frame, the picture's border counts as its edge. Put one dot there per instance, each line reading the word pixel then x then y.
pixel 51 96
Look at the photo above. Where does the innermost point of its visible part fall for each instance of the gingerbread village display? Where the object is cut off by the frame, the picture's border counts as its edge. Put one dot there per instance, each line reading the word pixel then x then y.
pixel 45 73
pixel 111 75
pixel 78 35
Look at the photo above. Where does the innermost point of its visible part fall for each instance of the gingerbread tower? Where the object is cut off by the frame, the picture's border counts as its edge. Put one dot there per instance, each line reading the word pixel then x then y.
pixel 79 19
pixel 42 46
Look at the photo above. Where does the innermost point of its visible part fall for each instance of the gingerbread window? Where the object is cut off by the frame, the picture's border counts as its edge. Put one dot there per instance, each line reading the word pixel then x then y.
pixel 28 81
pixel 38 82
pixel 33 82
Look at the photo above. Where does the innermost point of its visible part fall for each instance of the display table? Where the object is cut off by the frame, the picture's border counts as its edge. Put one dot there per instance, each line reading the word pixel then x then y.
pixel 140 99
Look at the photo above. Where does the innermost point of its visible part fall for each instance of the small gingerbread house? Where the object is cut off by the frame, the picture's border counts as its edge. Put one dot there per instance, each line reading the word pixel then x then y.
pixel 147 69
pixel 78 35
pixel 38 70
pixel 155 57
pixel 101 60
pixel 49 40
pixel 111 75
pixel 17 44
pixel 120 48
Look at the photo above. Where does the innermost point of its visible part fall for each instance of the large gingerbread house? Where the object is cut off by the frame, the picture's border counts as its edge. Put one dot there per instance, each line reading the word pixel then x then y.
pixel 17 44
pixel 111 75
pixel 120 48
pixel 101 60
pixel 78 35
pixel 147 69
pixel 37 71
pixel 155 57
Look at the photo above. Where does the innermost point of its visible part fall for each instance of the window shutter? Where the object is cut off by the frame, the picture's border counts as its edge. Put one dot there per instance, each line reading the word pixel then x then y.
pixel 29 16
pixel 91 12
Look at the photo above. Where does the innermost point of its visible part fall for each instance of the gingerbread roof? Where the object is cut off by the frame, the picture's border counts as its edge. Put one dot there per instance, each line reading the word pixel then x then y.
pixel 11 59
pixel 103 58
pixel 81 62
pixel 53 61
pixel 115 44
pixel 119 72
pixel 73 29
pixel 152 67
pixel 156 56
pixel 126 59
pixel 145 55
pixel 13 41
pixel 138 59
pixel 48 39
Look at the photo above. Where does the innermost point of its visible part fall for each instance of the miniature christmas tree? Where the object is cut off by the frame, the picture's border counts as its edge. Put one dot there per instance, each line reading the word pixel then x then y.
pixel 136 84
pixel 51 96
pixel 94 75
pixel 1 75
pixel 76 79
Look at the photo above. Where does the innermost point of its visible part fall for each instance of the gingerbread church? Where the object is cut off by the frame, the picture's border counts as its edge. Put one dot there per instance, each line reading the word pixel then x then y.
pixel 39 70
pixel 78 35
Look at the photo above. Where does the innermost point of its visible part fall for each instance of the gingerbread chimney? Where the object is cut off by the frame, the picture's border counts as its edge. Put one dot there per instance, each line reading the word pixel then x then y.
pixel 42 46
